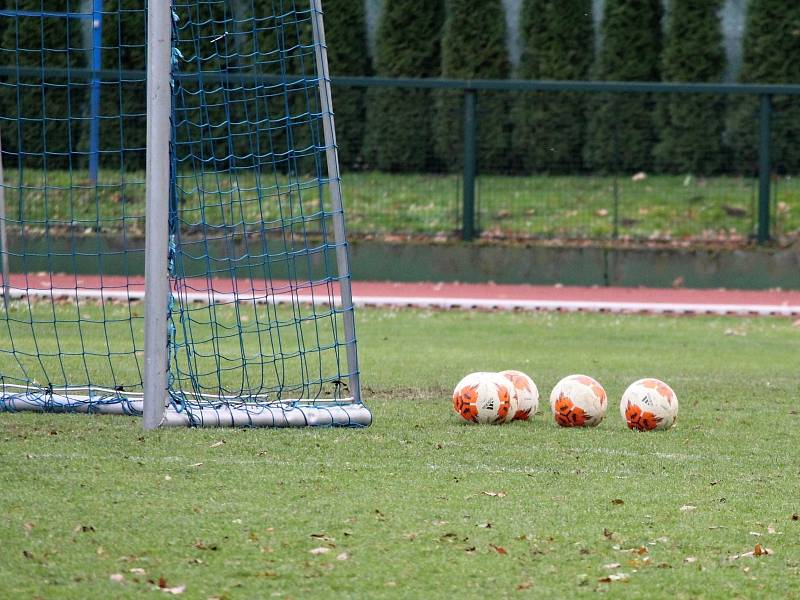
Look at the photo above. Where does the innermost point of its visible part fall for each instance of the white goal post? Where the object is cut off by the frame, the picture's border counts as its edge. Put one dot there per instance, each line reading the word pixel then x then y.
pixel 248 313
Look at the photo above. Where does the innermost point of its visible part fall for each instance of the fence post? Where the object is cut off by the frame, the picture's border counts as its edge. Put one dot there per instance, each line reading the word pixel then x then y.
pixel 94 97
pixel 468 224
pixel 764 167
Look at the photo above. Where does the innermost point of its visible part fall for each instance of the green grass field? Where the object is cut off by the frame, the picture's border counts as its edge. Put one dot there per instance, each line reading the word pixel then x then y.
pixel 585 207
pixel 420 505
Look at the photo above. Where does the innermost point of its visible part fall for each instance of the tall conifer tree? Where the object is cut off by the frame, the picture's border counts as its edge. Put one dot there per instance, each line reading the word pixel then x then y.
pixel 771 55
pixel 692 124
pixel 400 120
pixel 348 54
pixel 621 133
pixel 558 43
pixel 474 47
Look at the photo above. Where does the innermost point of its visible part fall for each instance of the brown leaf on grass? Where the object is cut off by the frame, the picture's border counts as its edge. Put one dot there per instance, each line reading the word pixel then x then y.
pixel 28 526
pixel 201 545
pixel 607 533
pixel 137 571
pixel 690 559
pixel 84 529
pixel 217 444
pixel 758 550
pixel 618 501
pixel 162 582
pixel 601 212
pixel 795 517
pixel 470 550
pixel 734 211
pixel 612 566
pixel 525 585
pixel 498 549
pixel 323 537
pixel 320 550
pixel 640 550
pixel 663 565
pixel 485 525
pixel 28 555
pixel 495 494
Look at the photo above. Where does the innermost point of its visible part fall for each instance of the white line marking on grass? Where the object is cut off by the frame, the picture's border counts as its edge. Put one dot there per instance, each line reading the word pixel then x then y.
pixel 664 308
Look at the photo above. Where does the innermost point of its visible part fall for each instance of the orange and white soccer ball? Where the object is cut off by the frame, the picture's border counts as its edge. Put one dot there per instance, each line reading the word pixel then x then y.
pixel 649 404
pixel 578 401
pixel 525 400
pixel 483 398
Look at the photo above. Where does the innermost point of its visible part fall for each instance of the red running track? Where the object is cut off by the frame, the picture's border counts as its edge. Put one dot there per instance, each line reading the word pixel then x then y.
pixel 441 295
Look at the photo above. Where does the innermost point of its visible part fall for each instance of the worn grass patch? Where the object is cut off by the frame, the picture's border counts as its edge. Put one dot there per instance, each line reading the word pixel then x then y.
pixel 420 505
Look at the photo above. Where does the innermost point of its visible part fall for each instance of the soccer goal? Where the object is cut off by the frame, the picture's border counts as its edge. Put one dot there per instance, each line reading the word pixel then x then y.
pixel 171 226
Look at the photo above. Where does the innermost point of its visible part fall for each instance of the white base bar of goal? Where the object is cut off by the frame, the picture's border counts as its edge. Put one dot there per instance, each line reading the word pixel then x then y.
pixel 674 308
pixel 322 413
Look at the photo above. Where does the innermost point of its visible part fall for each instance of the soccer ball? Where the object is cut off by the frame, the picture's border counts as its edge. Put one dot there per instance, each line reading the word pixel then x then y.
pixel 483 398
pixel 578 401
pixel 525 400
pixel 649 404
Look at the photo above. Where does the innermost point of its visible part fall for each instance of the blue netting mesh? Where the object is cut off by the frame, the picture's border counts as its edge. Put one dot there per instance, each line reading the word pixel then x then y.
pixel 254 318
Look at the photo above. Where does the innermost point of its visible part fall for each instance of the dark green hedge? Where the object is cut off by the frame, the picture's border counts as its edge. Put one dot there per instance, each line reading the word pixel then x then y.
pixel 400 121
pixel 123 106
pixel 474 47
pixel 348 54
pixel 43 125
pixel 558 43
pixel 621 132
pixel 771 55
pixel 692 126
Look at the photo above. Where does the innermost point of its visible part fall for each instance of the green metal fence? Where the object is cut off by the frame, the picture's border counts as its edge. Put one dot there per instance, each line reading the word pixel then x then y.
pixel 752 193
pixel 749 196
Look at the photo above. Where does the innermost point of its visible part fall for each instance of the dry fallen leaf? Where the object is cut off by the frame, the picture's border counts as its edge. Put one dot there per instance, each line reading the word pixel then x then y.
pixel 688 508
pixel 795 517
pixel 320 550
pixel 117 577
pixel 612 566
pixel 343 556
pixel 755 534
pixel 485 525
pixel 525 585
pixel 758 550
pixel 498 549
pixel 495 494
pixel 690 559
pixel 607 533
pixel 217 444
pixel 138 571
pixel 618 501
pixel 174 590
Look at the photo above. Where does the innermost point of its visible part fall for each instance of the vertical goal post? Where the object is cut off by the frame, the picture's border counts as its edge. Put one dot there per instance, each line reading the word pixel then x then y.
pixel 248 314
